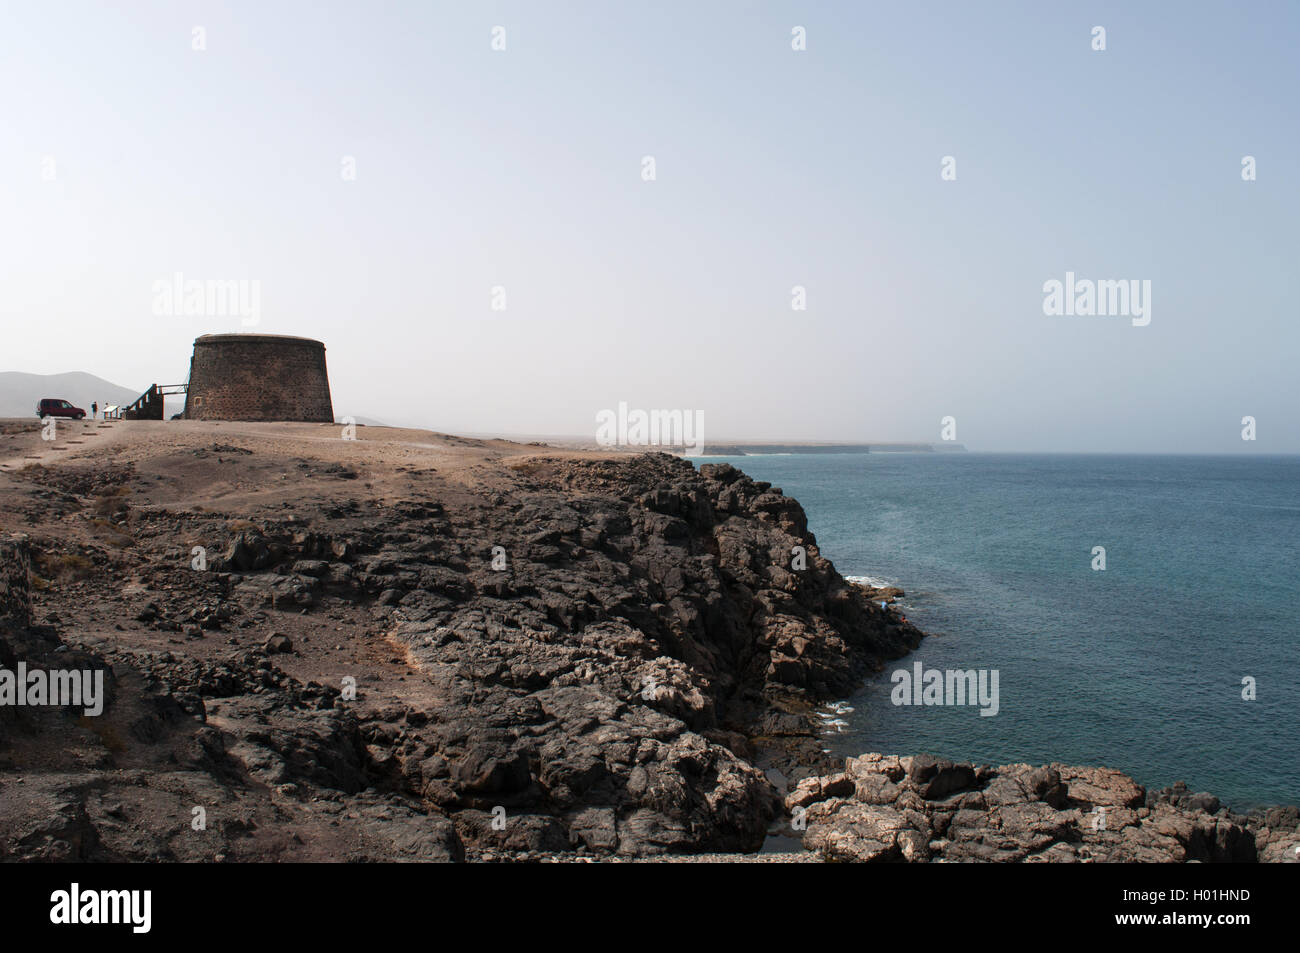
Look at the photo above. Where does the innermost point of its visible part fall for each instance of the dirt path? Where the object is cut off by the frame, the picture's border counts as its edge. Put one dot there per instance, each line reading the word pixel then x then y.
pixel 21 442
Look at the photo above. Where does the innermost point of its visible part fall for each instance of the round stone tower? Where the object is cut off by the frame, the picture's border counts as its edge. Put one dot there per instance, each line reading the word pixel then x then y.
pixel 258 377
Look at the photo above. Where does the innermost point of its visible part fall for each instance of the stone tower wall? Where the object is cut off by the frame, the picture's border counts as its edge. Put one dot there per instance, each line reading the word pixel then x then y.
pixel 258 377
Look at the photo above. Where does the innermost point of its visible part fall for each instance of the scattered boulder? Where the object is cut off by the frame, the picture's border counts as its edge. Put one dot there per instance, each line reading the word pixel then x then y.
pixel 278 642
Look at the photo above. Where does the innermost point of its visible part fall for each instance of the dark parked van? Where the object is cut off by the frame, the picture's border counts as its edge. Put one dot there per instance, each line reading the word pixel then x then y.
pixel 54 407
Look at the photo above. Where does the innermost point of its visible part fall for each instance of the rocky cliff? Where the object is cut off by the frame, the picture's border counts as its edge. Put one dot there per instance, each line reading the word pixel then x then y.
pixel 604 650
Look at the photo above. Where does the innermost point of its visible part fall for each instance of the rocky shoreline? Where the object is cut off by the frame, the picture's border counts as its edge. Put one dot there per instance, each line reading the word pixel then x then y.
pixel 560 658
pixel 922 809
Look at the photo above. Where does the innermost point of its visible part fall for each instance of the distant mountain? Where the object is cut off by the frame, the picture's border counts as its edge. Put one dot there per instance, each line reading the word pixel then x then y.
pixel 19 392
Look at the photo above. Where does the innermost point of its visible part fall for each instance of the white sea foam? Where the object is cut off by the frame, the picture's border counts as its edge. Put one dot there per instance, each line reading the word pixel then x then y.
pixel 830 714
pixel 874 582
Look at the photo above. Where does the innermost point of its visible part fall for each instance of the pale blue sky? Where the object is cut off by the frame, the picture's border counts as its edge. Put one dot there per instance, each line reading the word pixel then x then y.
pixel 775 168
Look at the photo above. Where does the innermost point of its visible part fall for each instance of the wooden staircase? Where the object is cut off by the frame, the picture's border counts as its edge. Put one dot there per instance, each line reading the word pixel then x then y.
pixel 149 405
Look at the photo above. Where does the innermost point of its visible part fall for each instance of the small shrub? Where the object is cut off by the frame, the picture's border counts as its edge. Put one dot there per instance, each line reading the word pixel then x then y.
pixel 62 567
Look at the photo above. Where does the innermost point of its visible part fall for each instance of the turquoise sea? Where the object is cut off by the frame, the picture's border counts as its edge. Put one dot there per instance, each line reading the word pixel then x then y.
pixel 1139 666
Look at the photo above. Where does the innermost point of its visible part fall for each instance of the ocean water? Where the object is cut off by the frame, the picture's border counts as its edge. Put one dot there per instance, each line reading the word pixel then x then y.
pixel 1138 667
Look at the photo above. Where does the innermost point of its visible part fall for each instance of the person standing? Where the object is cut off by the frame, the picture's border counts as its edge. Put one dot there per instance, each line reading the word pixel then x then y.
pixel 94 409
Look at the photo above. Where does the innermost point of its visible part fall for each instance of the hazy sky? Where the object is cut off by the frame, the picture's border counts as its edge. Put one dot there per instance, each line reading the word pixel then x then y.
pixel 127 156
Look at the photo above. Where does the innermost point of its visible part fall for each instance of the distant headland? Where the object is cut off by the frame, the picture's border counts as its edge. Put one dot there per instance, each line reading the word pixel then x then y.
pixel 752 449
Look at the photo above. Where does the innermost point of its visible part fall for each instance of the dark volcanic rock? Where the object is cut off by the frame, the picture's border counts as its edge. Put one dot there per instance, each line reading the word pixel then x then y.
pixel 646 608
pixel 887 808
pixel 278 642
pixel 605 646
pixel 15 593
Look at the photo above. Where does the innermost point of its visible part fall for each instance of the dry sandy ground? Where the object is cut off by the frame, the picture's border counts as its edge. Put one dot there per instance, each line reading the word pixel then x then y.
pixel 378 448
